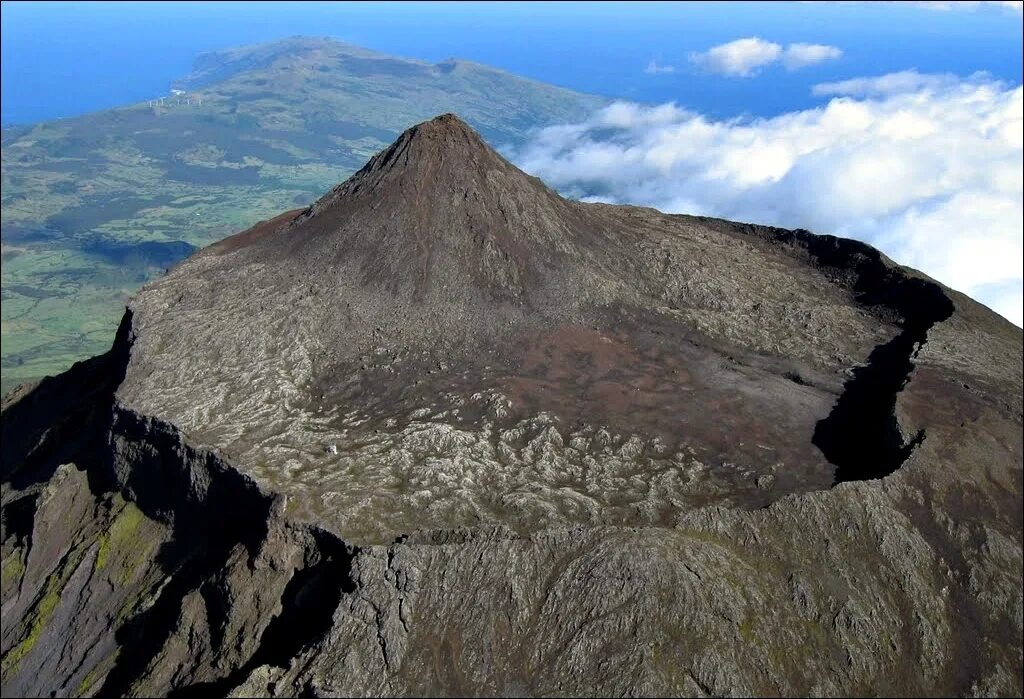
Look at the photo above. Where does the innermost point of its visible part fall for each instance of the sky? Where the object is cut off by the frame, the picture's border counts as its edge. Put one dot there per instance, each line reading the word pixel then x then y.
pixel 895 123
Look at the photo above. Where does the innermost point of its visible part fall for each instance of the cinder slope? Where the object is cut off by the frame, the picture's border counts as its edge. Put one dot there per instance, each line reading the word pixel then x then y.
pixel 581 449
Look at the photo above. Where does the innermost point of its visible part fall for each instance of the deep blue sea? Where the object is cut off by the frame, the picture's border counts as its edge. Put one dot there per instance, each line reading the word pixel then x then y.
pixel 62 59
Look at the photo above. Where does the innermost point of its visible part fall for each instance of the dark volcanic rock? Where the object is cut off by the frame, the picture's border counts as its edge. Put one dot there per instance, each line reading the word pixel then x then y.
pixel 447 432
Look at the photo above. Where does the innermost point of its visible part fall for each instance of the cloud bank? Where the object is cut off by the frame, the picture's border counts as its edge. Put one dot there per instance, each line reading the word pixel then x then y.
pixel 744 58
pixel 895 83
pixel 928 169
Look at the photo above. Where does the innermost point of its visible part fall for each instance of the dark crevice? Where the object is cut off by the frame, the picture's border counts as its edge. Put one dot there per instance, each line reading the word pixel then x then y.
pixel 308 604
pixel 17 519
pixel 861 436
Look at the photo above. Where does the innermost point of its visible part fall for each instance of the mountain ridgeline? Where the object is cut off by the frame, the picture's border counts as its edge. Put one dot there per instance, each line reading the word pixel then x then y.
pixel 445 432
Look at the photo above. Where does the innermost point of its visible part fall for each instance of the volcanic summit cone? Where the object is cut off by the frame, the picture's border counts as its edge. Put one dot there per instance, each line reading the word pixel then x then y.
pixel 453 433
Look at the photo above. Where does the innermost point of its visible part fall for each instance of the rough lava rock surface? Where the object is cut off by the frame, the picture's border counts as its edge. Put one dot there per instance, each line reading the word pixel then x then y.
pixel 446 432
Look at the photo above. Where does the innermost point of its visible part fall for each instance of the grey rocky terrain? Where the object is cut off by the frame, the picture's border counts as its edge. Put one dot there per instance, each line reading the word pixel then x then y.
pixel 446 432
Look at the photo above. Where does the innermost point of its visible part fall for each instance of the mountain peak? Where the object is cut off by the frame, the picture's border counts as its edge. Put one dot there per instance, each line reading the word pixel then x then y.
pixel 444 124
pixel 445 140
pixel 437 215
pixel 440 168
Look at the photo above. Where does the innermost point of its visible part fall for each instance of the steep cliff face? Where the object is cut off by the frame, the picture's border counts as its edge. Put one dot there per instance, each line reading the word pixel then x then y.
pixel 445 432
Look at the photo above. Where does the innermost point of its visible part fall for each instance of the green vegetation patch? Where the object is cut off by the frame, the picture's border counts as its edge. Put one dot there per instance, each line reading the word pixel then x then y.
pixel 87 683
pixel 12 568
pixel 121 535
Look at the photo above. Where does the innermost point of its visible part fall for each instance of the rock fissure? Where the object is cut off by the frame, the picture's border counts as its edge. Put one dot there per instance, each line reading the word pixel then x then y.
pixel 861 436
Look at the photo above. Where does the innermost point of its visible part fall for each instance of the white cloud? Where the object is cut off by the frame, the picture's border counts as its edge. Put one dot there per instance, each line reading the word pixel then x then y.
pixel 927 168
pixel 895 83
pixel 655 68
pixel 744 58
pixel 801 55
pixel 741 58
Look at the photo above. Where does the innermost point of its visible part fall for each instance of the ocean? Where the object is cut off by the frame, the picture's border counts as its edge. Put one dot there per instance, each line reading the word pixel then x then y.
pixel 63 59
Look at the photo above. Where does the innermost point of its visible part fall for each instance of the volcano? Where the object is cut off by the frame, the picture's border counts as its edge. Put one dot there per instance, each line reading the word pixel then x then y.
pixel 447 432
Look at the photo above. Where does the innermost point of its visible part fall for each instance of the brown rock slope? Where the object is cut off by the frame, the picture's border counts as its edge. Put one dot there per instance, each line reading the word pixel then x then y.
pixel 447 432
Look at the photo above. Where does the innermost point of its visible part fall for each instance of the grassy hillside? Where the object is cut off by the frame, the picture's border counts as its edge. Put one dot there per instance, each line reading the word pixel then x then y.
pixel 94 206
